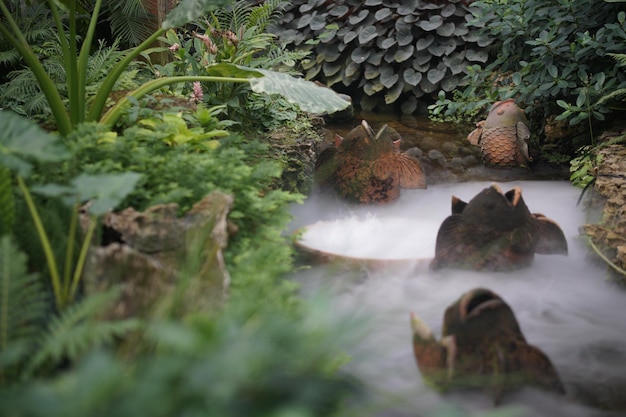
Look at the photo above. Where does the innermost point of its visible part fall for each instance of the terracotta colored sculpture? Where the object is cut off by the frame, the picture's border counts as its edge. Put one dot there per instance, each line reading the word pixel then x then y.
pixel 368 167
pixel 495 231
pixel 482 345
pixel 503 136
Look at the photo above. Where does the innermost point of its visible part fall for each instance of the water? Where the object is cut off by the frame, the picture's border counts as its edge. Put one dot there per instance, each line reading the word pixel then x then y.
pixel 564 304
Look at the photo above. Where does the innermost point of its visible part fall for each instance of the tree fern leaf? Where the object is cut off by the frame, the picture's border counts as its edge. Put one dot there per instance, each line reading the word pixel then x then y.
pixel 7 202
pixel 23 301
pixel 262 15
pixel 77 330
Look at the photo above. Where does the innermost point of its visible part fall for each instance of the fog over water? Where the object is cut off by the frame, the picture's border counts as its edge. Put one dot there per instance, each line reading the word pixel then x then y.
pixel 564 304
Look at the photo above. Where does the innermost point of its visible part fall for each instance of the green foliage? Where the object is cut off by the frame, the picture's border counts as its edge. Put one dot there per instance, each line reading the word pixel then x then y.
pixel 186 172
pixel 394 53
pixel 33 340
pixel 237 366
pixel 24 142
pixel 24 305
pixel 583 167
pixel 7 202
pixel 237 35
pixel 553 57
pixel 76 59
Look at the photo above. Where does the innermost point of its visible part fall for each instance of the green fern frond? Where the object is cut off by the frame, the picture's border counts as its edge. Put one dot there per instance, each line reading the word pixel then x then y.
pixel 620 58
pixel 24 305
pixel 262 15
pixel 77 330
pixel 130 21
pixel 7 202
pixel 615 95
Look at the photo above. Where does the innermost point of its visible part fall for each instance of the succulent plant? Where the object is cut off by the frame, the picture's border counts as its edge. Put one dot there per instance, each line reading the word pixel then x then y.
pixel 385 52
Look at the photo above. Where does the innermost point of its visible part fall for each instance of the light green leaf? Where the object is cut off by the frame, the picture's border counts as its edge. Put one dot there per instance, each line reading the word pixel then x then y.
pixel 309 96
pixel 22 138
pixel 189 10
pixel 105 191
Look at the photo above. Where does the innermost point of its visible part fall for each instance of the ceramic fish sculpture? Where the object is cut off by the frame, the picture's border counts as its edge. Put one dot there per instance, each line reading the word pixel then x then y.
pixel 482 346
pixel 495 231
pixel 368 166
pixel 503 136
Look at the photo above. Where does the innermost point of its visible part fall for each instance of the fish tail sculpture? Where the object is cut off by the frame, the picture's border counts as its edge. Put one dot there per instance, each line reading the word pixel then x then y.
pixel 495 231
pixel 482 345
pixel 503 136
pixel 368 166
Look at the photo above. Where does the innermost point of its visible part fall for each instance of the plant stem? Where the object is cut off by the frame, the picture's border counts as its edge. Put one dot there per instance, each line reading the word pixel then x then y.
pixel 80 264
pixel 106 87
pixel 18 41
pixel 45 243
pixel 84 57
pixel 116 111
pixel 69 252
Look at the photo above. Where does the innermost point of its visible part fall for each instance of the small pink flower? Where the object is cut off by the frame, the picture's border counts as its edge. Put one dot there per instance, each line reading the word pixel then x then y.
pixel 207 42
pixel 174 47
pixel 196 95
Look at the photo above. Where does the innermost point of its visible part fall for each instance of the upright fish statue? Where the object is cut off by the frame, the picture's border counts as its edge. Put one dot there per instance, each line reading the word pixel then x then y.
pixel 495 231
pixel 368 166
pixel 503 136
pixel 482 346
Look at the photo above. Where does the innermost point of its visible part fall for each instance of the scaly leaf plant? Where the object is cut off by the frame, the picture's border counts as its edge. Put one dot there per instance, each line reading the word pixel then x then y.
pixel 76 59
pixel 23 142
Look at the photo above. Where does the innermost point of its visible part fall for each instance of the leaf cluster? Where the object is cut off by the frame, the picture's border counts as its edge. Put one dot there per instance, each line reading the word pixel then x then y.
pixel 34 339
pixel 237 366
pixel 385 53
pixel 234 34
pixel 553 57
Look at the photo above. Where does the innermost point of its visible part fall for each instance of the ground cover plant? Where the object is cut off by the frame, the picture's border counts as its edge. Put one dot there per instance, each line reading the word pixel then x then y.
pixel 388 55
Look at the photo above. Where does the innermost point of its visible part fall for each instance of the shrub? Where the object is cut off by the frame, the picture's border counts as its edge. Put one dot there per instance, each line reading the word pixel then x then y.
pixel 549 56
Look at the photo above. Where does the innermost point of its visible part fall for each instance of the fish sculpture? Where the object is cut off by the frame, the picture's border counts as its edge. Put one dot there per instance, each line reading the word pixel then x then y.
pixel 503 136
pixel 482 346
pixel 368 167
pixel 495 231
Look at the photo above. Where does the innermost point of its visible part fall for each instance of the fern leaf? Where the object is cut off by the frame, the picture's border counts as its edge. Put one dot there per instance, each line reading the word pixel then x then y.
pixel 620 58
pixel 262 15
pixel 76 330
pixel 23 309
pixel 7 202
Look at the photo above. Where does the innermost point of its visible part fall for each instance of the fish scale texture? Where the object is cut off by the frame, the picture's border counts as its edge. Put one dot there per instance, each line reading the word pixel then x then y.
pixel 499 148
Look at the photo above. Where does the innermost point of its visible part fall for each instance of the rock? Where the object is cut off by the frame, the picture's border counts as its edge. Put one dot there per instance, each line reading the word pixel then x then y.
pixel 609 233
pixel 156 249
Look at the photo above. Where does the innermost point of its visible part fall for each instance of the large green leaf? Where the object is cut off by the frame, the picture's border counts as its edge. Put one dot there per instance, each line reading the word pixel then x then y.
pixel 309 96
pixel 104 191
pixel 22 138
pixel 189 10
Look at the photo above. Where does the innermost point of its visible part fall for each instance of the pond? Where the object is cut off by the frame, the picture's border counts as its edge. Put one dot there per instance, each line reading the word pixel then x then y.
pixel 564 304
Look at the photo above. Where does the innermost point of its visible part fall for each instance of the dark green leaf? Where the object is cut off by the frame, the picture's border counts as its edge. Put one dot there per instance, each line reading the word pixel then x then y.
pixel 431 24
pixel 392 95
pixel 411 77
pixel 425 42
pixel 435 75
pixel 355 19
pixel 359 55
pixel 382 13
pixel 446 30
pixel 367 34
pixel 403 53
